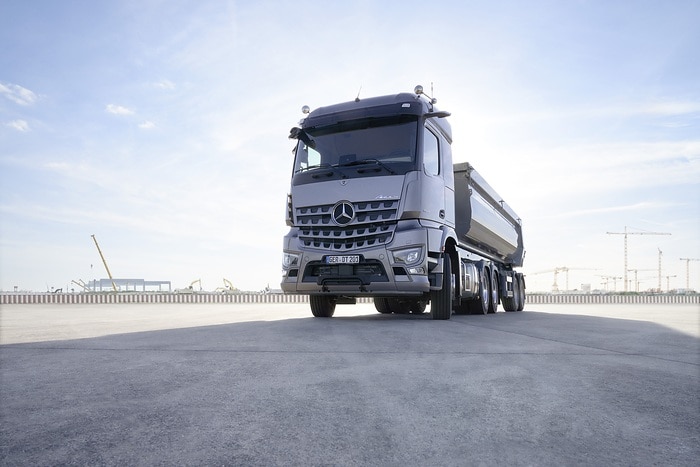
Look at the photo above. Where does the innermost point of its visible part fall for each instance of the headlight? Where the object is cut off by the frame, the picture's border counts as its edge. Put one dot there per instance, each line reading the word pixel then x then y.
pixel 290 260
pixel 408 256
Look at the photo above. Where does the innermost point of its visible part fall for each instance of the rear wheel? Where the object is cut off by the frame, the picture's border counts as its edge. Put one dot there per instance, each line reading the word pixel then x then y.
pixel 511 303
pixel 493 288
pixel 322 306
pixel 441 300
pixel 521 290
pixel 482 304
pixel 382 305
pixel 418 307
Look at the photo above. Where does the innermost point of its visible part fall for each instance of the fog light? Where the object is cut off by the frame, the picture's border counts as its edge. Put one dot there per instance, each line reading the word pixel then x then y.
pixel 416 270
pixel 408 256
pixel 290 260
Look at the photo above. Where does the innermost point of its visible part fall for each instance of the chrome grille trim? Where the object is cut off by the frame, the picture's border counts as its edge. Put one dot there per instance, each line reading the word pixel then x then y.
pixel 374 224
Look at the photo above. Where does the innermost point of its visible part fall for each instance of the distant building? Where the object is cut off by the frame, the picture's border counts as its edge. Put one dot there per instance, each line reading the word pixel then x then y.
pixel 125 285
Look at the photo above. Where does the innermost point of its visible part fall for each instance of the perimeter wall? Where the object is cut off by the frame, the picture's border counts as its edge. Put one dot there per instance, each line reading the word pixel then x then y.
pixel 158 297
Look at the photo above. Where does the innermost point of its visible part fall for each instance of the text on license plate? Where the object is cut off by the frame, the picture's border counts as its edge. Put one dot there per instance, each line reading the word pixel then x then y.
pixel 347 259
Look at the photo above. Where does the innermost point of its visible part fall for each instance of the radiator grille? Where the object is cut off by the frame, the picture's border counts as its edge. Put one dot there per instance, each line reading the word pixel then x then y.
pixel 374 224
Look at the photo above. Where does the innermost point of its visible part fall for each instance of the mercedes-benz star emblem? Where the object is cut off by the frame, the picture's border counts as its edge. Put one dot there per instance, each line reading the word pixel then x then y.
pixel 343 213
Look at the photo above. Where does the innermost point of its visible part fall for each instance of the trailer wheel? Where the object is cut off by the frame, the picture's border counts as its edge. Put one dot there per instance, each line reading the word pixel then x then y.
pixel 322 306
pixel 382 305
pixel 493 288
pixel 521 290
pixel 441 300
pixel 512 303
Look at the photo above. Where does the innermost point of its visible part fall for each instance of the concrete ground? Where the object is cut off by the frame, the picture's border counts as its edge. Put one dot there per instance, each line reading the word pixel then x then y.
pixel 269 385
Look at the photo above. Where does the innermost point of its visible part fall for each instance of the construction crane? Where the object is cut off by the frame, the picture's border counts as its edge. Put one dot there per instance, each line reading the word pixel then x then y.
pixel 114 286
pixel 606 281
pixel 556 271
pixel 82 284
pixel 626 233
pixel 687 271
pixel 668 282
pixel 660 255
pixel 636 282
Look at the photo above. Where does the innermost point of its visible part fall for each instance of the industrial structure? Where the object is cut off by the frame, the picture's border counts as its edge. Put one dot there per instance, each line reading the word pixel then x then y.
pixel 626 233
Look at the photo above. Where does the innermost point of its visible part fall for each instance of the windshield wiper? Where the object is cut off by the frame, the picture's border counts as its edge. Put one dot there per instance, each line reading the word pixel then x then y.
pixel 369 161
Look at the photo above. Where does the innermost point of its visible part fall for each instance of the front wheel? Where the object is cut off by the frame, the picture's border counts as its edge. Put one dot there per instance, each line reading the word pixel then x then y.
pixel 322 306
pixel 441 300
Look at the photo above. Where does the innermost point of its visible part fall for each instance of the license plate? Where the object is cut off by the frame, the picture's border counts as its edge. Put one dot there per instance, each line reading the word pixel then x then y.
pixel 351 259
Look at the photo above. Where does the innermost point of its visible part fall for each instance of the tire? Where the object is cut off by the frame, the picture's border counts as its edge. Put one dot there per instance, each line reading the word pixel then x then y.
pixel 441 300
pixel 399 307
pixel 418 307
pixel 493 289
pixel 382 305
pixel 521 289
pixel 322 306
pixel 481 305
pixel 511 303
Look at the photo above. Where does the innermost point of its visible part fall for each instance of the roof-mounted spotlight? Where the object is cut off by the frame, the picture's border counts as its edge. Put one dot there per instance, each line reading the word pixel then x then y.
pixel 419 91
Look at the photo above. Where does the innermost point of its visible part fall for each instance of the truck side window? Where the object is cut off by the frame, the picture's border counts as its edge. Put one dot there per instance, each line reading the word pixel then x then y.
pixel 314 158
pixel 307 157
pixel 431 153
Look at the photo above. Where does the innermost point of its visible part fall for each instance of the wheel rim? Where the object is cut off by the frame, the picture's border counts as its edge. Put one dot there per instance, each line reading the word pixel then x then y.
pixel 494 292
pixel 485 290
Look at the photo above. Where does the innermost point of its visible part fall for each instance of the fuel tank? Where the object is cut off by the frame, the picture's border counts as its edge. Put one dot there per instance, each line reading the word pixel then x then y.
pixel 484 223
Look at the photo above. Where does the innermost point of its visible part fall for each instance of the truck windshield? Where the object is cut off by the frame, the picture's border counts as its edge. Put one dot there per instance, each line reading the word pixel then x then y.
pixel 347 148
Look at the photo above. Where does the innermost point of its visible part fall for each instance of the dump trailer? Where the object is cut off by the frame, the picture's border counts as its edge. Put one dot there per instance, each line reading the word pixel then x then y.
pixel 376 208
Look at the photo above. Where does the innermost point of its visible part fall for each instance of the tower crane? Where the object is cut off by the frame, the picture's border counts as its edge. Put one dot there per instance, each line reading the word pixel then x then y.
pixel 114 286
pixel 556 271
pixel 668 282
pixel 626 233
pixel 636 282
pixel 687 270
pixel 606 281
pixel 660 254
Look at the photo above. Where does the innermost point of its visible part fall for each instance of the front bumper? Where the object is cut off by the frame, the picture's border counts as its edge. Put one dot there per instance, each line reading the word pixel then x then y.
pixel 378 272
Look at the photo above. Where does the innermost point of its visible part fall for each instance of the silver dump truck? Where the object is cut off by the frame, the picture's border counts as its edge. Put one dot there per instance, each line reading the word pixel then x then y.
pixel 377 209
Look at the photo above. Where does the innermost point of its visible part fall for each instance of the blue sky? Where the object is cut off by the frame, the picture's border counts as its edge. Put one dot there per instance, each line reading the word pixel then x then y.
pixel 161 127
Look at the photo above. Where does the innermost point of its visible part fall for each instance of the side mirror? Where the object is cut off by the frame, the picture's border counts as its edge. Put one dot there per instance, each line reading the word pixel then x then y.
pixel 438 114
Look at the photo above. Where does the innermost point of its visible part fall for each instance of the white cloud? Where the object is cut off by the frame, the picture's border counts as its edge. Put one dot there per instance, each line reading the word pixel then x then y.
pixel 118 110
pixel 19 125
pixel 147 125
pixel 18 94
pixel 165 84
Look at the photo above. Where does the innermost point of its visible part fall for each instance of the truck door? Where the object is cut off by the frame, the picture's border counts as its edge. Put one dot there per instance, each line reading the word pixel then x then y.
pixel 438 194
